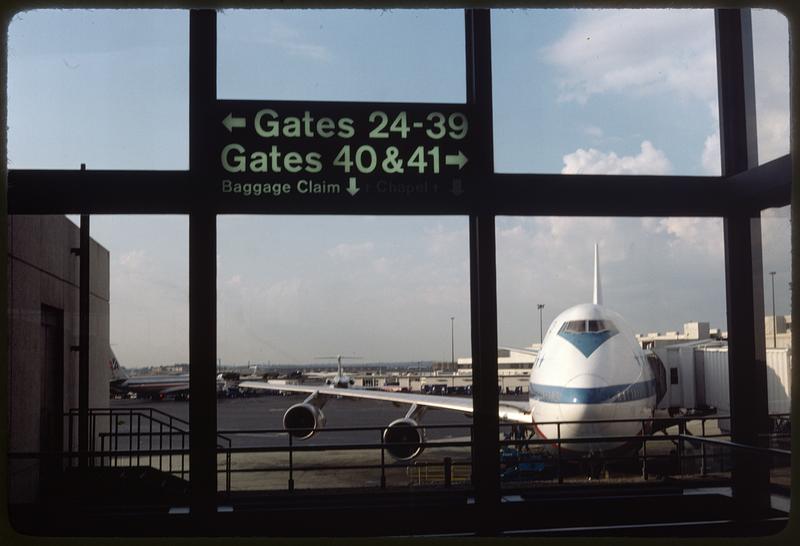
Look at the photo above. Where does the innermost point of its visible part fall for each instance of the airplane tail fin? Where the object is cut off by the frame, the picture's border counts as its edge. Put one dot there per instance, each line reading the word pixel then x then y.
pixel 117 373
pixel 597 298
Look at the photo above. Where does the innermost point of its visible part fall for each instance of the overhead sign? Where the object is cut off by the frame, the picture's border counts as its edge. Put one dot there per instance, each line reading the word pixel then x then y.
pixel 333 150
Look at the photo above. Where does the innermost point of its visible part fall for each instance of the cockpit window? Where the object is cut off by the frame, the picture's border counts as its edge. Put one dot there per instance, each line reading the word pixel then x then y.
pixel 599 325
pixel 574 326
pixel 581 326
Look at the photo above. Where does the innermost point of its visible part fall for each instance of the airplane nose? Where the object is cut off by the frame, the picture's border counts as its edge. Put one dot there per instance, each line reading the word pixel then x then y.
pixel 585 395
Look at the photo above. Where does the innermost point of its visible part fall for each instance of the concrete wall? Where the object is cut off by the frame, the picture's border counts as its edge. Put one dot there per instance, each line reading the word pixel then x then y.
pixel 43 271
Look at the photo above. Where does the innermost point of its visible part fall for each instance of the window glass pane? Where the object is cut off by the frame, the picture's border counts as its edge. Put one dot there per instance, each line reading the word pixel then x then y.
pixel 605 92
pixel 660 309
pixel 771 66
pixel 776 257
pixel 108 88
pixel 345 55
pixel 777 263
pixel 388 295
pixel 138 354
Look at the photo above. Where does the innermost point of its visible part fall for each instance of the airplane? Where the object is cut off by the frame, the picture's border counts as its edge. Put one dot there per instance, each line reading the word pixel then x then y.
pixel 337 380
pixel 590 367
pixel 152 386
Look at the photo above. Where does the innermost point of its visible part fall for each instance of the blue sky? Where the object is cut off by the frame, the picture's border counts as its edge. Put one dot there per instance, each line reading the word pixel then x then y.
pixel 575 91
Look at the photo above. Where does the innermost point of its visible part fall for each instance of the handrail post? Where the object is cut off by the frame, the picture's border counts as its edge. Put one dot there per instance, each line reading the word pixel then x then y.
pixel 383 461
pixel 558 437
pixel 291 460
pixel 703 470
pixel 228 471
pixel 130 438
pixel 138 438
pixel 70 443
pixel 681 433
pixel 645 474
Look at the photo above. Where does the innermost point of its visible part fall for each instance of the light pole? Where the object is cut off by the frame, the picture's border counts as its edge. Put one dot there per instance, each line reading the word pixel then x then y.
pixel 774 319
pixel 540 306
pixel 452 344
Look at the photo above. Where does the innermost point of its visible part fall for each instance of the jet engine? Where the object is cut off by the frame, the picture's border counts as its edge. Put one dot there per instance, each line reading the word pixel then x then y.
pixel 303 420
pixel 404 439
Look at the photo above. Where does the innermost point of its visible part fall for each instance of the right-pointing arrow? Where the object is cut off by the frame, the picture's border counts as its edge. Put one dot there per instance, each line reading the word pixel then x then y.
pixel 231 122
pixel 456 159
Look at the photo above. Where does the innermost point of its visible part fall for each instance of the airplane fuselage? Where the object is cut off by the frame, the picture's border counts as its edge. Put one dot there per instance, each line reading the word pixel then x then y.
pixel 590 367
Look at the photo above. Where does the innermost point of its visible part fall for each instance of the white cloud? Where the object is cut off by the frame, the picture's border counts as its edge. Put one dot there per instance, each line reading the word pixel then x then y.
pixel 444 242
pixel 134 261
pixel 712 163
pixel 293 42
pixel 649 160
pixel 771 66
pixel 593 131
pixel 640 52
pixel 657 272
pixel 773 130
pixel 349 251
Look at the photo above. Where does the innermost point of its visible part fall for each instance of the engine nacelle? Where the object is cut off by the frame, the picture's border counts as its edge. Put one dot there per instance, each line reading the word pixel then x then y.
pixel 303 420
pixel 404 439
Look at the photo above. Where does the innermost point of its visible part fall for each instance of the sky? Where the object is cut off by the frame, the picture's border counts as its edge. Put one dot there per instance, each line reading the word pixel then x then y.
pixel 594 91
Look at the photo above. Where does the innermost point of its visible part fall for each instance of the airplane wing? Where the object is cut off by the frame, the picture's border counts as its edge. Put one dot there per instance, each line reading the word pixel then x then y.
pixel 518 412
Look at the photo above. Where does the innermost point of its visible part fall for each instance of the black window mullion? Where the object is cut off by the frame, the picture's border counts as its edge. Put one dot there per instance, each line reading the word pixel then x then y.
pixel 483 284
pixel 743 266
pixel 202 275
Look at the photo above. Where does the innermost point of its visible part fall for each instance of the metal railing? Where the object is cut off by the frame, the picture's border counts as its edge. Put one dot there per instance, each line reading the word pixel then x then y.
pixel 289 446
pixel 154 438
pixel 148 436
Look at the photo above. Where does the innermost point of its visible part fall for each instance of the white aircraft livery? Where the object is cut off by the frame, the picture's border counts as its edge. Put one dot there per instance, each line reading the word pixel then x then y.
pixel 590 368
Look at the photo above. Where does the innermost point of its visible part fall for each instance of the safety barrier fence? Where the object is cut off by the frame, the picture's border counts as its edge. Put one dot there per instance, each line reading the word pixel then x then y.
pixel 147 436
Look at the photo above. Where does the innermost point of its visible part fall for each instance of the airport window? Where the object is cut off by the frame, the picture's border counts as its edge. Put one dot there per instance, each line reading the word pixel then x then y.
pixel 777 274
pixel 102 83
pixel 138 361
pixel 605 92
pixel 771 66
pixel 379 296
pixel 377 213
pixel 341 55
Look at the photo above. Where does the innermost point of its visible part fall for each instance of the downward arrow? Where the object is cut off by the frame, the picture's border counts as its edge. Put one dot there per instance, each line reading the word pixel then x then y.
pixel 352 189
pixel 230 122
pixel 459 159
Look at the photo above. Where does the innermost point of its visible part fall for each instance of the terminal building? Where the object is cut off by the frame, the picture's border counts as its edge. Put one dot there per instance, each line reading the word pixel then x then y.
pixel 44 344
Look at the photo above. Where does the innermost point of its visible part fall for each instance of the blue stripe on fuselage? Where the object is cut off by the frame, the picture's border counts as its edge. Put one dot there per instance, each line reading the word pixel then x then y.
pixel 588 342
pixel 595 395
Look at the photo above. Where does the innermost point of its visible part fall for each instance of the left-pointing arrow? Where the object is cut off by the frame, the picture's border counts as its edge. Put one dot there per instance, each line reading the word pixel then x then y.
pixel 230 122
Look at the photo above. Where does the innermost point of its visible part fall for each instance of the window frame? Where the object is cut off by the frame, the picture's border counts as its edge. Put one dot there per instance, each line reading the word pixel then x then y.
pixel 738 196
